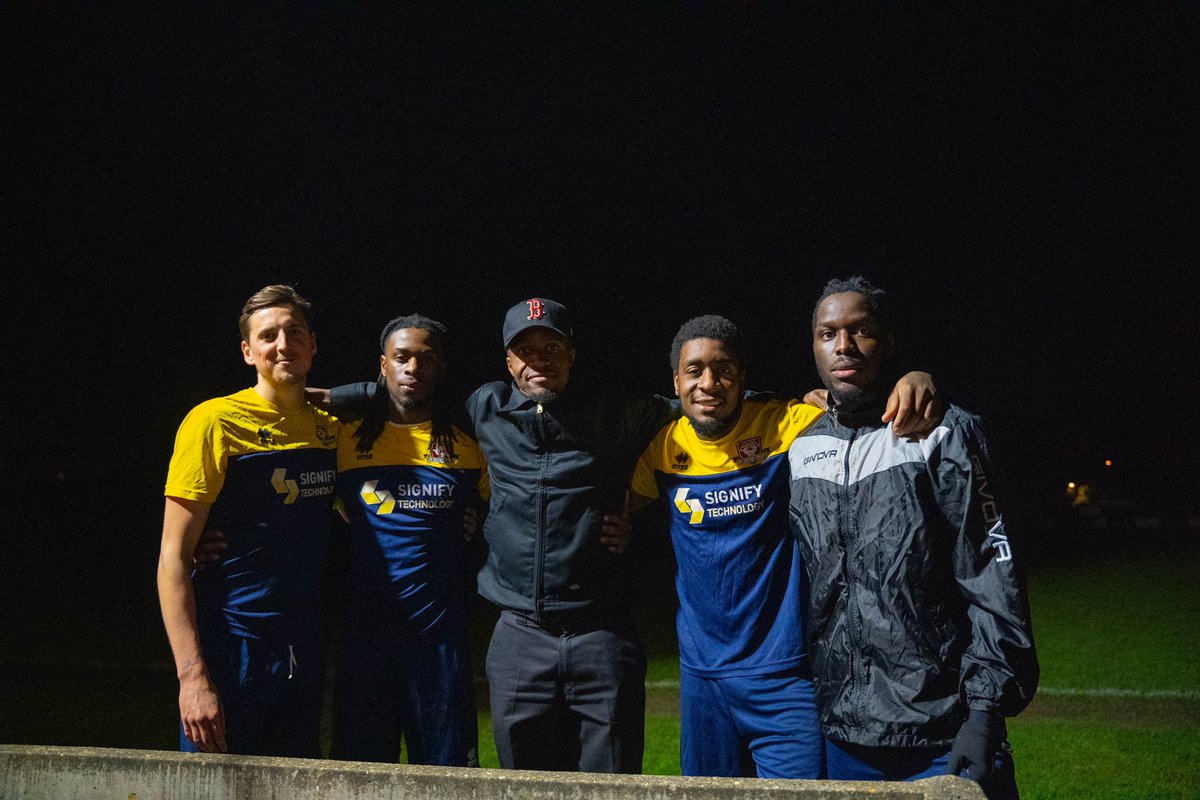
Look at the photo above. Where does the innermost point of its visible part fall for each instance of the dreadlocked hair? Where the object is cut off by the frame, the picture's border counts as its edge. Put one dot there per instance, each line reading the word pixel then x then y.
pixel 376 417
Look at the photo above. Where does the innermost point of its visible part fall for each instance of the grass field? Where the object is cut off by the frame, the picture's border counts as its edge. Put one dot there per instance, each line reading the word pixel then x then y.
pixel 1118 715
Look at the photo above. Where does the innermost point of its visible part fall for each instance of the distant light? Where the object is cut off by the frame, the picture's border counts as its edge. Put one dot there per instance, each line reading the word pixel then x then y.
pixel 1108 462
pixel 1071 485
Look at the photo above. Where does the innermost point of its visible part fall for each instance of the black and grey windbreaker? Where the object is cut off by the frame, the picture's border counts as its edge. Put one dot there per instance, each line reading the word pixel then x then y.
pixel 918 611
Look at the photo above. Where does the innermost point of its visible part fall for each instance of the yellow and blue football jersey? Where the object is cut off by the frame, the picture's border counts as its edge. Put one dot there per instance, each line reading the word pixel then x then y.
pixel 739 578
pixel 269 474
pixel 406 498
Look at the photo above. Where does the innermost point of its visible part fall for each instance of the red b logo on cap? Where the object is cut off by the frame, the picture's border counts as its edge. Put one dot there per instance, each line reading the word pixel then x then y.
pixel 535 309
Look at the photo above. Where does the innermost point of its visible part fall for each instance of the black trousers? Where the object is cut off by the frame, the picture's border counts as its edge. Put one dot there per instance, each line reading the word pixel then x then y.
pixel 567 699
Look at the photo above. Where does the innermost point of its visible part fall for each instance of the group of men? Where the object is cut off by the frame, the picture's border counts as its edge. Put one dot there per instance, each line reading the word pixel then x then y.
pixel 849 602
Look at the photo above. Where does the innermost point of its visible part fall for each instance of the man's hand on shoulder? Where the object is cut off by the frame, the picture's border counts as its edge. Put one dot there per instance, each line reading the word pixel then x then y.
pixel 914 407
pixel 818 398
pixel 321 398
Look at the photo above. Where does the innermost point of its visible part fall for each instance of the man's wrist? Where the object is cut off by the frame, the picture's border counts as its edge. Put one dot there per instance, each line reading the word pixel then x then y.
pixel 985 719
pixel 192 668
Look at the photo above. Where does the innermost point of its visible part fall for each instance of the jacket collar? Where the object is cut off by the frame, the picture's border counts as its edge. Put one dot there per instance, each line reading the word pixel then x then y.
pixel 518 400
pixel 866 413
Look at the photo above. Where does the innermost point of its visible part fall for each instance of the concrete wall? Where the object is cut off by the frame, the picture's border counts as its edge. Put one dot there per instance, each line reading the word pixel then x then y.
pixel 66 773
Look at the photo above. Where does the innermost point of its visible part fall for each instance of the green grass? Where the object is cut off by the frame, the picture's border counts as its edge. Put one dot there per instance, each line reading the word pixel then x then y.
pixel 1119 711
pixel 1118 716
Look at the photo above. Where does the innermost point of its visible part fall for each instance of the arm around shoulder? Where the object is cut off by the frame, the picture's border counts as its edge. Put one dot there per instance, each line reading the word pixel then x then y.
pixel 351 401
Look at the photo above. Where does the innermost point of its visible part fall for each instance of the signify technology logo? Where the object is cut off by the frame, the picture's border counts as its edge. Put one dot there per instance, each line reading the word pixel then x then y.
pixel 719 502
pixel 315 483
pixel 408 496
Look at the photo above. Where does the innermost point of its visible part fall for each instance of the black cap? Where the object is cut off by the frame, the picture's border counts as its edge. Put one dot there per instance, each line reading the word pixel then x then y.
pixel 536 312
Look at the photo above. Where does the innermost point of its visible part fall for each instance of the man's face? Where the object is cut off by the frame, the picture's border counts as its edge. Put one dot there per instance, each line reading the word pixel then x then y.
pixel 280 346
pixel 708 383
pixel 850 346
pixel 540 360
pixel 412 364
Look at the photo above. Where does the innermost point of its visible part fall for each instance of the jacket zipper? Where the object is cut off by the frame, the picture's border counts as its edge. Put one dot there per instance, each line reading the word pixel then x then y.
pixel 540 545
pixel 849 540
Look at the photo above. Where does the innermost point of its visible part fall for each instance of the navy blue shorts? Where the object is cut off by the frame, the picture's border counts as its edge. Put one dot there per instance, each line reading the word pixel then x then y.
pixel 270 694
pixel 856 762
pixel 391 684
pixel 762 726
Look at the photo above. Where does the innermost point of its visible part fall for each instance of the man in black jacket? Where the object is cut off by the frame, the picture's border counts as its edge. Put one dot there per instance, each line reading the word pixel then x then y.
pixel 921 638
pixel 565 666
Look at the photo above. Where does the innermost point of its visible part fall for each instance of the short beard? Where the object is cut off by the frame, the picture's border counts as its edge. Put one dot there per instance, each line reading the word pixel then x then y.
pixel 543 395
pixel 853 398
pixel 409 404
pixel 713 428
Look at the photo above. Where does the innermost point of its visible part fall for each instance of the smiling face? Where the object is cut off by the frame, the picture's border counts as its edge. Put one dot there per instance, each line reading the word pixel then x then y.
pixel 708 382
pixel 412 364
pixel 539 360
pixel 850 346
pixel 279 346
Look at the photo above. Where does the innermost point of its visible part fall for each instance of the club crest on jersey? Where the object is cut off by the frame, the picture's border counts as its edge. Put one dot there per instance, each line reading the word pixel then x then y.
pixel 682 460
pixel 327 439
pixel 750 451
pixel 265 436
pixel 438 454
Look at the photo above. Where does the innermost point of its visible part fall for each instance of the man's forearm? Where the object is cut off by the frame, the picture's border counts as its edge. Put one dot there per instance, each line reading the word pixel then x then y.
pixel 177 600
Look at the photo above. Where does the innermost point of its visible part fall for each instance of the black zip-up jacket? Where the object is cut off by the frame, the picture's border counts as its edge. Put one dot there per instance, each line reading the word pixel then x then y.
pixel 918 611
pixel 555 470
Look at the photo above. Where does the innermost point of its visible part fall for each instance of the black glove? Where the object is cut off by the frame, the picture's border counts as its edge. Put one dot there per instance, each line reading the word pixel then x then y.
pixel 976 744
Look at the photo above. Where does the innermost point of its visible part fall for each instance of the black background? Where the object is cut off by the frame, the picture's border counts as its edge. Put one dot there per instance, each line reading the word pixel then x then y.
pixel 1023 181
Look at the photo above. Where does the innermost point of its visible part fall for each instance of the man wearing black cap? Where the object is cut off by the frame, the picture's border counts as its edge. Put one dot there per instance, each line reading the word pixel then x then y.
pixel 565 667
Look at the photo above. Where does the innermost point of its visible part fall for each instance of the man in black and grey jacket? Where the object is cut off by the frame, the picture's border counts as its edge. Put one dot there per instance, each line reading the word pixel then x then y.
pixel 921 637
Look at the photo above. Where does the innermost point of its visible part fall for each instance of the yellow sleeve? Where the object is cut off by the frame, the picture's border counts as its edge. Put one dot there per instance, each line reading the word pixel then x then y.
pixel 197 470
pixel 643 474
pixel 800 416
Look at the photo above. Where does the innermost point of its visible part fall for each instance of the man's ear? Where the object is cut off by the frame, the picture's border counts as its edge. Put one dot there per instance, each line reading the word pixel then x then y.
pixel 247 356
pixel 675 380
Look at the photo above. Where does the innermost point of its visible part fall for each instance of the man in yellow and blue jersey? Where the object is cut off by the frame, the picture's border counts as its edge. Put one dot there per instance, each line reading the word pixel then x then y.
pixel 406 477
pixel 258 465
pixel 746 693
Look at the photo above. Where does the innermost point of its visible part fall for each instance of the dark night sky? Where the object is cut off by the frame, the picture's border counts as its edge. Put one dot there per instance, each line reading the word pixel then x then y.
pixel 1024 181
